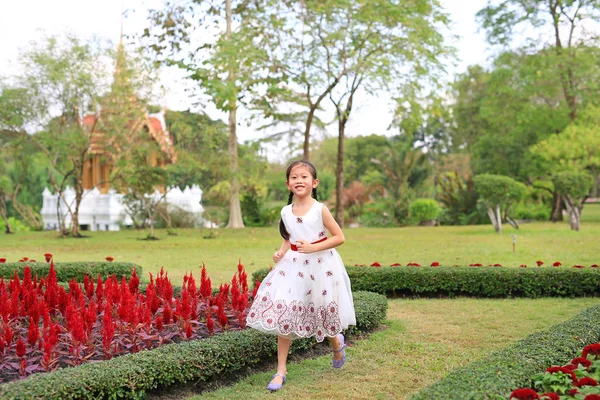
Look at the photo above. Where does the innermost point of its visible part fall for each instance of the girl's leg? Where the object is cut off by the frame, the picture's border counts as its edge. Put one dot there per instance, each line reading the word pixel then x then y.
pixel 336 343
pixel 283 348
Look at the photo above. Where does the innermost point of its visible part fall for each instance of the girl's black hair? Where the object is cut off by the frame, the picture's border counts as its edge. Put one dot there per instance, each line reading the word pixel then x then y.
pixel 313 171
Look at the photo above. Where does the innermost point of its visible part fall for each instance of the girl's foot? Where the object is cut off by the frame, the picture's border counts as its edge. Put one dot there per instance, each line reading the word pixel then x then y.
pixel 339 355
pixel 276 382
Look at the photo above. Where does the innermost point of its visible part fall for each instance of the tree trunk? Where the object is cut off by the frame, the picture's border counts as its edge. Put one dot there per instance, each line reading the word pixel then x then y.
pixel 557 208
pixel 75 214
pixel 574 213
pixel 309 119
pixel 5 216
pixel 495 218
pixel 339 175
pixel 235 208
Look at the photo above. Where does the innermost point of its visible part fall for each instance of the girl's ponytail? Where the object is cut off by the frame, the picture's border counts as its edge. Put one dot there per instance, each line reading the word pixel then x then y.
pixel 282 231
pixel 314 194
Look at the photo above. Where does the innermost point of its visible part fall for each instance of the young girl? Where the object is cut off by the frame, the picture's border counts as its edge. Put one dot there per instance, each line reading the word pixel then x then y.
pixel 308 291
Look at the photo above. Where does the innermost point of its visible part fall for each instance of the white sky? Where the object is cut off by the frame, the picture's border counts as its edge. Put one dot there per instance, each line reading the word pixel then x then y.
pixel 27 20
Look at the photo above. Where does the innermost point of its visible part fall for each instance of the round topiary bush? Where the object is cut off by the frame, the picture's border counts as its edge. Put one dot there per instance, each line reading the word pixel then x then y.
pixel 424 210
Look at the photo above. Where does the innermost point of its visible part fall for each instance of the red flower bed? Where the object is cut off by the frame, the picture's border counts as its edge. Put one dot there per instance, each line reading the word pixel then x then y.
pixel 43 328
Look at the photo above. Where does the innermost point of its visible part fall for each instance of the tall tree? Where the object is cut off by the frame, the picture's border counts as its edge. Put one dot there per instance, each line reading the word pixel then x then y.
pixel 562 20
pixel 384 47
pixel 227 69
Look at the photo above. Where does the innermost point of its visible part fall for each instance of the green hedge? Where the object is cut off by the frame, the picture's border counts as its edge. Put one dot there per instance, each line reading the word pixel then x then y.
pixel 497 375
pixel 132 376
pixel 65 271
pixel 473 281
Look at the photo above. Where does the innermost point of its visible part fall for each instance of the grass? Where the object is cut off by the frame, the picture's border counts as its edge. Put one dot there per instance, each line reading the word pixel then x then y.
pixel 254 246
pixel 424 340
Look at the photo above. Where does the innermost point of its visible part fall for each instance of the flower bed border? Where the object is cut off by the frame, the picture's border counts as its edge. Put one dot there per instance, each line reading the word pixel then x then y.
pixel 482 282
pixel 65 271
pixel 497 375
pixel 132 376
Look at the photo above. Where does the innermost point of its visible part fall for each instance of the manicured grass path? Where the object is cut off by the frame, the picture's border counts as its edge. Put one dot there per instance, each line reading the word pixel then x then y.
pixel 424 340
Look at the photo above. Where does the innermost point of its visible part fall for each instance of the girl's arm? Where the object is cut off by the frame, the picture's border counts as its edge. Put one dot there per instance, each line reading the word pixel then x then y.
pixel 285 246
pixel 336 239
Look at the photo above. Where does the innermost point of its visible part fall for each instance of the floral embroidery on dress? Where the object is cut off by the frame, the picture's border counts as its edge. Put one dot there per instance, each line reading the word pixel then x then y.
pixel 324 292
pixel 312 277
pixel 299 220
pixel 322 233
pixel 306 262
pixel 300 274
pixel 296 318
pixel 308 292
pixel 294 259
pixel 268 283
pixel 320 260
pixel 329 273
pixel 282 273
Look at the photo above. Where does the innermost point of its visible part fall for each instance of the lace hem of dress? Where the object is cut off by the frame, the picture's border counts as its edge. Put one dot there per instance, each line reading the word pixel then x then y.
pixel 295 318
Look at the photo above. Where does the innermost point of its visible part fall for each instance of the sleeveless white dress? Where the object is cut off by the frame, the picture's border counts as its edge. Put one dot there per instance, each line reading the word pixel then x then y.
pixel 305 294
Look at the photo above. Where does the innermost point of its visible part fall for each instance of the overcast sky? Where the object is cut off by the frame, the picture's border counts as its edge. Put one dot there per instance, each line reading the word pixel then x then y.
pixel 27 20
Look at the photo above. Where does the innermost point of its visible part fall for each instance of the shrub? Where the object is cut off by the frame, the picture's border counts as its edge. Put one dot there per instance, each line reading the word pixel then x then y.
pixel 536 212
pixel 132 376
pixel 424 210
pixel 497 375
pixel 65 271
pixel 472 281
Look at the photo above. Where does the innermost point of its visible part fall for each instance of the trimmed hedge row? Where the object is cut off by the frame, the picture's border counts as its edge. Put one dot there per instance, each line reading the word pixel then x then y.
pixel 496 376
pixel 132 376
pixel 65 271
pixel 472 281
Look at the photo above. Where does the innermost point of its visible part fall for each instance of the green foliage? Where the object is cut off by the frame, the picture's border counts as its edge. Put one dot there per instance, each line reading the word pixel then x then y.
pixel 65 271
pixel 460 201
pixel 575 184
pixel 497 375
pixel 483 282
pixel 529 211
pixel 424 210
pixel 379 213
pixel 497 190
pixel 134 375
pixel 16 225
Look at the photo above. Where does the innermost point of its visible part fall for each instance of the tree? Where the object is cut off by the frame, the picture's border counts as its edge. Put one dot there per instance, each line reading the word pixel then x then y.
pixel 384 47
pixel 575 187
pixel 62 78
pixel 227 70
pixel 498 193
pixel 561 19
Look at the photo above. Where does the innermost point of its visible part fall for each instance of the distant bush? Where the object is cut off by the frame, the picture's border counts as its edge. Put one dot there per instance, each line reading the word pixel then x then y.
pixel 423 210
pixel 536 212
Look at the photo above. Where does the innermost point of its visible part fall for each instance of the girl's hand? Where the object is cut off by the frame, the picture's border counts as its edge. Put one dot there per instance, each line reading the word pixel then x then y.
pixel 304 246
pixel 277 256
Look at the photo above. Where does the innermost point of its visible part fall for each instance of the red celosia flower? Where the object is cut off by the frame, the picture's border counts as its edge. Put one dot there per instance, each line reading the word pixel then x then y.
pixel 33 332
pixel 586 381
pixel 2 260
pixel 523 266
pixel 549 396
pixel 591 349
pixel 25 259
pixel 497 265
pixel 110 259
pixel 581 360
pixel 475 265
pixel 556 264
pixel 356 265
pixel 539 263
pixel 375 264
pixel 566 371
pixel 573 392
pixel 396 265
pixel 594 266
pixel 20 348
pixel 592 397
pixel 256 286
pixel 578 266
pixel 413 264
pixel 571 367
pixel 524 394
pixel 188 330
pixel 435 264
pixel 48 257
pixel 32 261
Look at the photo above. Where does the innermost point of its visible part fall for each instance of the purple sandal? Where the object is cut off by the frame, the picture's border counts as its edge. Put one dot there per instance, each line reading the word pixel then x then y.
pixel 339 363
pixel 273 387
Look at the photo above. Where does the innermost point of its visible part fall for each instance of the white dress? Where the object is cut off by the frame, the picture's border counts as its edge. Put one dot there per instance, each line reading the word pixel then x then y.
pixel 305 294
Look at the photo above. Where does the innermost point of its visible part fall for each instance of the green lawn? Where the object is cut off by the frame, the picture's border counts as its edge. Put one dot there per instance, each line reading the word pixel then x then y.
pixel 424 340
pixel 254 246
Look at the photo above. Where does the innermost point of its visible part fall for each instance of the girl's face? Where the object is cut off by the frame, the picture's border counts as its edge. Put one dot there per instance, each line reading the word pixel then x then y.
pixel 301 182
